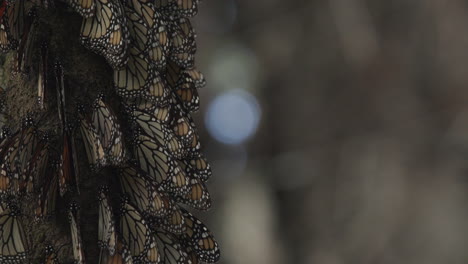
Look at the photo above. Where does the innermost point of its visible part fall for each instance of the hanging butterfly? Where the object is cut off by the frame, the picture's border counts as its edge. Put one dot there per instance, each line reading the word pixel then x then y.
pixel 4 179
pixel 155 161
pixel 192 256
pixel 11 27
pixel 139 78
pixel 159 132
pixel 184 58
pixel 185 8
pixel 5 42
pixel 200 239
pixel 159 49
pixel 106 32
pixel 21 153
pixel 184 127
pixel 93 145
pixel 35 167
pixel 161 113
pixel 182 43
pixel 77 245
pixel 67 170
pixel 148 31
pixel 109 131
pixel 170 249
pixel 48 193
pixel 3 115
pixel 197 167
pixel 107 236
pixel 174 222
pixel 184 85
pixel 137 235
pixel 121 256
pixel 198 197
pixel 182 36
pixel 60 87
pixel 24 53
pixel 142 194
pixel 153 158
pixel 42 79
pixel 13 240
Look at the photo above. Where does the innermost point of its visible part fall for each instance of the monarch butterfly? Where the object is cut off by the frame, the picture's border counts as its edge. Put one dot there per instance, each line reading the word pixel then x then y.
pixel 35 167
pixel 106 32
pixel 155 161
pixel 48 193
pixel 136 77
pixel 142 193
pixel 184 58
pixel 137 235
pixel 159 133
pixel 160 113
pixel 4 179
pixel 139 78
pixel 107 235
pixel 13 243
pixel 60 86
pixel 51 255
pixel 171 251
pixel 200 239
pixel 182 36
pixel 78 253
pixel 67 169
pixel 85 8
pixel 159 48
pixel 5 41
pixel 148 31
pixel 121 256
pixel 93 145
pixel 11 29
pixel 27 143
pixel 183 128
pixel 153 158
pixel 10 156
pixel 23 58
pixel 191 77
pixel 198 196
pixel 42 81
pixel 174 222
pixel 16 159
pixel 30 142
pixel 192 256
pixel 187 8
pixel 197 167
pixel 185 84
pixel 109 130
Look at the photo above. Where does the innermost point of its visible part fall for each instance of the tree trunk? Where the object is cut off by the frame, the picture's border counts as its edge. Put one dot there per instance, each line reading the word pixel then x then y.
pixel 86 76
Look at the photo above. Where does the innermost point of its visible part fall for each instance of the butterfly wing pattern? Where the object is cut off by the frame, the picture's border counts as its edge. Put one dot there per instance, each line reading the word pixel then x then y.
pixel 141 135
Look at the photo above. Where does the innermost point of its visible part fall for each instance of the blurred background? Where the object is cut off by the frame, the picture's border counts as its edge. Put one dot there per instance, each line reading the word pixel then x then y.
pixel 337 129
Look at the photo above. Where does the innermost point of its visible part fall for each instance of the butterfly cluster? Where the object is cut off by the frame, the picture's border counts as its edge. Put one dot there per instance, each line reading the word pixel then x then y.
pixel 146 138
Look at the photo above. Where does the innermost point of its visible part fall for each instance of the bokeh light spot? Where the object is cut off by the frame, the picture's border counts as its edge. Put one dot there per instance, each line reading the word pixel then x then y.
pixel 233 117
